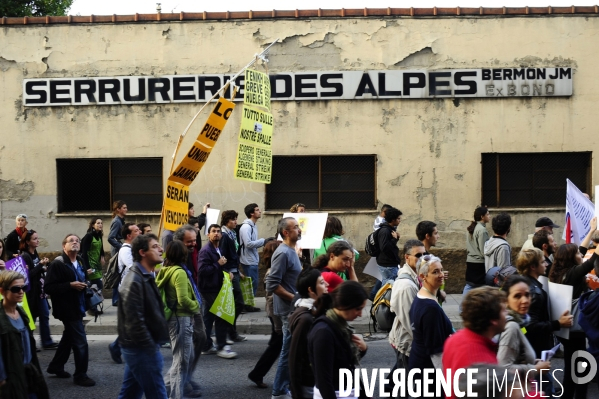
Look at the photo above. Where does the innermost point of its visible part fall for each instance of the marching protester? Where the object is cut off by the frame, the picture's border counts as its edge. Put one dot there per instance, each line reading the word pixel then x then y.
pixel 498 252
pixel 3 257
pixel 66 285
pixel 337 264
pixel 475 245
pixel 381 217
pixel 249 244
pixel 404 291
pixel 544 241
pixel 140 337
pixel 14 237
pixel 180 304
pixel 20 371
pixel 332 344
pixel 515 352
pixel 569 268
pixel 92 252
pixel 119 211
pixel 333 232
pixel 228 248
pixel 187 235
pixel 543 223
pixel 387 238
pixel 427 232
pixel 36 297
pixel 310 287
pixel 198 223
pixel 211 265
pixel 125 260
pixel 275 343
pixel 144 228
pixel 430 325
pixel 284 270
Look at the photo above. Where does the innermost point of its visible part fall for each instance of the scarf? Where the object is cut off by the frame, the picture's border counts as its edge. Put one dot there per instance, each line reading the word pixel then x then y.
pixel 522 321
pixel 20 232
pixel 232 234
pixel 305 302
pixel 347 331
pixel 193 284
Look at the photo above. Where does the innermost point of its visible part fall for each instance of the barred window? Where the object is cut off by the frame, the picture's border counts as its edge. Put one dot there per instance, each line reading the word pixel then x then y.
pixel 533 179
pixel 323 182
pixel 93 184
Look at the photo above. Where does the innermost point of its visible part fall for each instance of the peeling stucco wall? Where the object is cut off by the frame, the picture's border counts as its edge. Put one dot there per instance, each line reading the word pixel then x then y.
pixel 428 150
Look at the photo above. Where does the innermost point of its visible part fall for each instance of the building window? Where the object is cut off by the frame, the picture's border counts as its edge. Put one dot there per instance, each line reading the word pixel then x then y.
pixel 533 179
pixel 323 182
pixel 91 185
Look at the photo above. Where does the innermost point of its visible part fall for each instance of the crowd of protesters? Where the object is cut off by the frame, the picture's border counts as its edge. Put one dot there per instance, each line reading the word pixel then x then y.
pixel 166 287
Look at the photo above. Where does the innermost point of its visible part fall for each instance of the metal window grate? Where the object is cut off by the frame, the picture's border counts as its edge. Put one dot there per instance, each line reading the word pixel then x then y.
pixel 533 179
pixel 93 184
pixel 323 182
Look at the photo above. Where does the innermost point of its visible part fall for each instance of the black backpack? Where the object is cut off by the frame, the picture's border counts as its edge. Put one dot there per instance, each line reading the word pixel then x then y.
pixel 372 246
pixel 112 277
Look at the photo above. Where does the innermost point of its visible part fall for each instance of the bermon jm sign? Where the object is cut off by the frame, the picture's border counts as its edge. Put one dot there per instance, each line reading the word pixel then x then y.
pixel 296 86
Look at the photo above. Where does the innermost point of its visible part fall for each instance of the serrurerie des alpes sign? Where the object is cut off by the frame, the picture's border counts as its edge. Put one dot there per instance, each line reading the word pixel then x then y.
pixel 295 86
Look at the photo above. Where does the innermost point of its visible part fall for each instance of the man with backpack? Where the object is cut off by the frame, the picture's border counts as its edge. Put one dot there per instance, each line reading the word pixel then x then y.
pixel 248 247
pixel 125 261
pixel 404 291
pixel 386 238
pixel 498 252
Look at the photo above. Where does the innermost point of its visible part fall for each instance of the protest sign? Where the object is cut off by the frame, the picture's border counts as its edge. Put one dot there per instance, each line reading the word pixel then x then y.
pixel 253 163
pixel 560 299
pixel 211 217
pixel 312 226
pixel 224 305
pixel 256 89
pixel 175 211
pixel 579 212
pixel 372 269
pixel 176 205
pixel 18 265
pixel 256 127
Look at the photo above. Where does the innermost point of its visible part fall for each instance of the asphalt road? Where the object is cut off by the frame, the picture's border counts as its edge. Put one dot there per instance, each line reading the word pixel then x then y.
pixel 220 378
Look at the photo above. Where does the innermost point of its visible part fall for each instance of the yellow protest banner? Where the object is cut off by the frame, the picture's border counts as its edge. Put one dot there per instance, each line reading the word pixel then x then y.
pixel 253 163
pixel 175 210
pixel 256 89
pixel 256 127
pixel 175 205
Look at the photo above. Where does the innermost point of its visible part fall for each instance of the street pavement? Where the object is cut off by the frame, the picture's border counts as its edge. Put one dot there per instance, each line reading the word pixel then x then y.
pixel 247 323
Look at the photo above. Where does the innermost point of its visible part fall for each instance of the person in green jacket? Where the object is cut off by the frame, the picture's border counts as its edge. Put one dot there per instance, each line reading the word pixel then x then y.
pixel 180 297
pixel 333 232
pixel 20 375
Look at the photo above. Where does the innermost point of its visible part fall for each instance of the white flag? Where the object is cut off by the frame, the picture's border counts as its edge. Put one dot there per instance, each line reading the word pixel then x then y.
pixel 579 213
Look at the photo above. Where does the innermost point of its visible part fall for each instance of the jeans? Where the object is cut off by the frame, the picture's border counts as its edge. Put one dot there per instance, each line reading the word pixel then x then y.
pixel 252 271
pixel 270 355
pixel 220 325
pixel 73 337
pixel 467 288
pixel 389 274
pixel 143 374
pixel 401 362
pixel 45 323
pixel 181 332
pixel 281 384
pixel 238 297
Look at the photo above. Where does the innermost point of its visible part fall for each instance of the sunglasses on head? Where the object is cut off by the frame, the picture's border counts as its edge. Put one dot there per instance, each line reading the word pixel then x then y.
pixel 15 289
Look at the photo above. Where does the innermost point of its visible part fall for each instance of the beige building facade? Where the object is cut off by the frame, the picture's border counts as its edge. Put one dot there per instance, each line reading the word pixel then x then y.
pixel 428 151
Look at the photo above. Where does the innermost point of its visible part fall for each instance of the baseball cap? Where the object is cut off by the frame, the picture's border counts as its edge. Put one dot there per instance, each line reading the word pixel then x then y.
pixel 545 222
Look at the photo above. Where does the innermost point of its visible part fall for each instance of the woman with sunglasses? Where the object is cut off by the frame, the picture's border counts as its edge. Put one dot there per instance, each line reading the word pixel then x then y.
pixel 20 372
pixel 430 325
pixel 36 297
pixel 92 252
pixel 332 344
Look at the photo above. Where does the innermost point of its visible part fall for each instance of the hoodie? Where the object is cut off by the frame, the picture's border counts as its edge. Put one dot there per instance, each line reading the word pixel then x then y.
pixel 179 294
pixel 497 253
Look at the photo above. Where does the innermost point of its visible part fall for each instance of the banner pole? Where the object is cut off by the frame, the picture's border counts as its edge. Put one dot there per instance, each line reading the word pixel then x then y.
pixel 223 88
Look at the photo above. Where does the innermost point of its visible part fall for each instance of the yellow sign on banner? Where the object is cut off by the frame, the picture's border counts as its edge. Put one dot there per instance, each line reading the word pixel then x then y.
pixel 256 89
pixel 253 163
pixel 256 127
pixel 176 202
pixel 175 205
